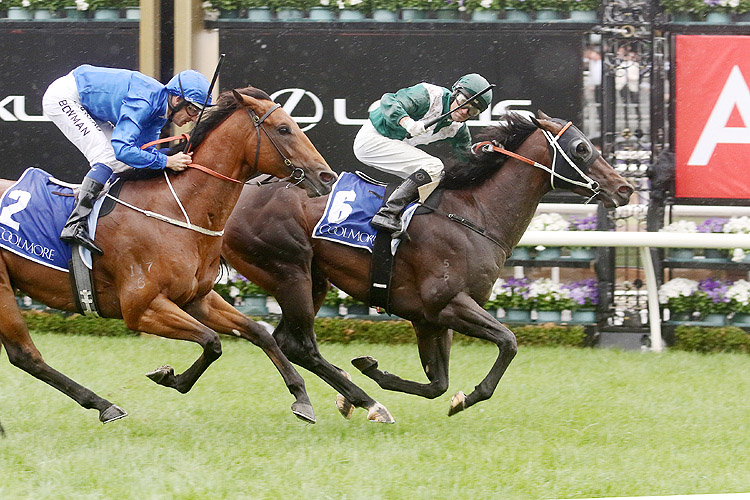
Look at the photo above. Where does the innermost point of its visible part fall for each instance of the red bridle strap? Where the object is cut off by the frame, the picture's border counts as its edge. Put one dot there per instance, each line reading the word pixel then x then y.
pixel 486 145
pixel 192 165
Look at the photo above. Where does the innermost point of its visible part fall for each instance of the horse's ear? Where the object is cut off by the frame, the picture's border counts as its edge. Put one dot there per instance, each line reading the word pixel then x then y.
pixel 238 97
pixel 535 122
pixel 541 114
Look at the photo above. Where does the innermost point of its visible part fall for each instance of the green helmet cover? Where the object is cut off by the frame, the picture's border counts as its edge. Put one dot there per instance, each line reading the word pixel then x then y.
pixel 471 84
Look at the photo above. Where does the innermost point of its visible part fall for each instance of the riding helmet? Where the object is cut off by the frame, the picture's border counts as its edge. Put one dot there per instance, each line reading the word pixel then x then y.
pixel 471 84
pixel 191 86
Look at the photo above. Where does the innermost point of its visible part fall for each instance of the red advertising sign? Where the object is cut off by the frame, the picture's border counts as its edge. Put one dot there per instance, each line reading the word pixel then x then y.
pixel 712 126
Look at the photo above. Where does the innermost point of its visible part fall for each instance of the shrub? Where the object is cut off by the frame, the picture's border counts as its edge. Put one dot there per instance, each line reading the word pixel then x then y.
pixel 706 340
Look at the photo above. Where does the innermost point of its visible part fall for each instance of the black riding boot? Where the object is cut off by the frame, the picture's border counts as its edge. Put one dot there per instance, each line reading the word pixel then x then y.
pixel 387 217
pixel 76 230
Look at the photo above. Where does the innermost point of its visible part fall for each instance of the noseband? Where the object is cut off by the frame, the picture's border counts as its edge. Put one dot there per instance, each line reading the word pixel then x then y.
pixel 557 144
pixel 296 175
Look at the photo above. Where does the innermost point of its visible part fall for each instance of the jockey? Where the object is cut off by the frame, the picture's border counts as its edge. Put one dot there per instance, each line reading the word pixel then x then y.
pixel 108 114
pixel 388 140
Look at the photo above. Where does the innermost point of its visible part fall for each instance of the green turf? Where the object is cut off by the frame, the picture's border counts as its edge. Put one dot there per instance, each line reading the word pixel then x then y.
pixel 564 423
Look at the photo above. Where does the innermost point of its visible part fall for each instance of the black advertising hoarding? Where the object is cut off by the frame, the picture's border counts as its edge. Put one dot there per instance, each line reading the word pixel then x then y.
pixel 31 58
pixel 327 78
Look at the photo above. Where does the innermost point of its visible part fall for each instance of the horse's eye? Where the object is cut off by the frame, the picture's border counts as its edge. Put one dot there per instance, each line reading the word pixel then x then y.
pixel 582 149
pixel 284 130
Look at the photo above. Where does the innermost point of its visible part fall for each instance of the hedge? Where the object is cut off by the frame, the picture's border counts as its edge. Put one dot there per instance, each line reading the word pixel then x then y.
pixel 342 330
pixel 711 339
pixel 345 330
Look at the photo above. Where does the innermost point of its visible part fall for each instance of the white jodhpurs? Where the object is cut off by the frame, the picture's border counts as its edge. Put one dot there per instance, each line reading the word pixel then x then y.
pixel 62 104
pixel 393 156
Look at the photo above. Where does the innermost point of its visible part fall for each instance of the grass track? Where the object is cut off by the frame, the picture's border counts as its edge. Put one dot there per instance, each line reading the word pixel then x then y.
pixel 564 423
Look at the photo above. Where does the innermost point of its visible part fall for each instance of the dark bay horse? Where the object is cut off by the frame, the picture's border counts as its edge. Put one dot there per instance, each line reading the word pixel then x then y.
pixel 443 272
pixel 158 276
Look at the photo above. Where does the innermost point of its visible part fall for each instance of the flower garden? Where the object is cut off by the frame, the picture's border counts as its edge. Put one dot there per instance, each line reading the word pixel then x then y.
pixel 733 225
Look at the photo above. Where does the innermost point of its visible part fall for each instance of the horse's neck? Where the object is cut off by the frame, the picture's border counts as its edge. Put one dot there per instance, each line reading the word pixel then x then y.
pixel 508 200
pixel 208 200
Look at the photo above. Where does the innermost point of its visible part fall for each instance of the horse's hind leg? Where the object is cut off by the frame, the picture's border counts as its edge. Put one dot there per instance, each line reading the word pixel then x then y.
pixel 23 354
pixel 299 345
pixel 434 343
pixel 214 312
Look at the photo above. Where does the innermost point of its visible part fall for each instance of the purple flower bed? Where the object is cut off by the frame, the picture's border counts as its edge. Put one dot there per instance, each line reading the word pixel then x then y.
pixel 585 293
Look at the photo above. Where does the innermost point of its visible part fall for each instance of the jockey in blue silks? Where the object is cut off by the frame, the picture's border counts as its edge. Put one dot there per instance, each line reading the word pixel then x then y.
pixel 108 114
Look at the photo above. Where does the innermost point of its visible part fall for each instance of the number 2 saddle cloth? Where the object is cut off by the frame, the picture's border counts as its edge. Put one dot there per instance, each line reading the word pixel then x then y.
pixel 33 212
pixel 350 208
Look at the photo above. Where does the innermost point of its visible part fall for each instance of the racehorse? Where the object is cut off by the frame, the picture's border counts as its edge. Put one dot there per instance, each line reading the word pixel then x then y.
pixel 158 276
pixel 443 272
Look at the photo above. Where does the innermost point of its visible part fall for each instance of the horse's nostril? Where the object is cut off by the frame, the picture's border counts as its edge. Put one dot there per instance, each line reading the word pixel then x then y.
pixel 626 190
pixel 328 177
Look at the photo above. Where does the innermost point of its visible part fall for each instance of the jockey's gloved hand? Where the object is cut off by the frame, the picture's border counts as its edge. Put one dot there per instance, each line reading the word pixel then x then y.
pixel 414 128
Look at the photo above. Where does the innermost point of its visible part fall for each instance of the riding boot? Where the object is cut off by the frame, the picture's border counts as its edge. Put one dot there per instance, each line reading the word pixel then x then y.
pixel 388 217
pixel 76 230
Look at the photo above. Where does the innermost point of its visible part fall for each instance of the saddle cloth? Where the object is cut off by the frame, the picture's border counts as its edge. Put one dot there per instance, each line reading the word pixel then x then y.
pixel 33 212
pixel 350 208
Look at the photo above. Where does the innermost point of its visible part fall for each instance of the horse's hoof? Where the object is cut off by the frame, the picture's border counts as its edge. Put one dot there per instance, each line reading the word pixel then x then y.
pixel 364 363
pixel 304 411
pixel 458 403
pixel 111 414
pixel 379 413
pixel 344 406
pixel 161 374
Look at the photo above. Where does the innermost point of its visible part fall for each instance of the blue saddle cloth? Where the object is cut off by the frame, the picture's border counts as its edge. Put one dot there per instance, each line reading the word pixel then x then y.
pixel 32 214
pixel 350 208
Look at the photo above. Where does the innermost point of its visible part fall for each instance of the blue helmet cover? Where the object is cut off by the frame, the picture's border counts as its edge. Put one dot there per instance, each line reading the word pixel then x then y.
pixel 191 86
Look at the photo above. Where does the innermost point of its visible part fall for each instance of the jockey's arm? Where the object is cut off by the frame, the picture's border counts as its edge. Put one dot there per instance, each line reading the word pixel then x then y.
pixel 411 102
pixel 135 116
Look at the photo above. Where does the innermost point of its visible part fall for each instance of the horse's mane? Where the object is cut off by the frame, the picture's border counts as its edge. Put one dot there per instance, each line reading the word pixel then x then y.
pixel 226 104
pixel 515 128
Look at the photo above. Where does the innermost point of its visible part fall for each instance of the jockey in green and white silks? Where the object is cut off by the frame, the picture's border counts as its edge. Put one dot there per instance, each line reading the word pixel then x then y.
pixel 108 114
pixel 389 140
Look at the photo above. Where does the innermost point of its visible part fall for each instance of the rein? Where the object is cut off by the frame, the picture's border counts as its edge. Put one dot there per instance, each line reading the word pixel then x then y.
pixel 553 140
pixel 192 165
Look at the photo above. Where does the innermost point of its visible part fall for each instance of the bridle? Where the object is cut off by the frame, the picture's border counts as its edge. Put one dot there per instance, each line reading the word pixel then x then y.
pixel 557 144
pixel 296 175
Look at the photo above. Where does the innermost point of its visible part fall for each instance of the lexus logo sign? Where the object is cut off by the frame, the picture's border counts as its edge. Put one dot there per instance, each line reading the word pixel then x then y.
pixel 289 105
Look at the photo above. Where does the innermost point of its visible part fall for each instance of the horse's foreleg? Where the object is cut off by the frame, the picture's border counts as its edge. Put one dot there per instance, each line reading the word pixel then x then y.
pixel 434 344
pixel 164 318
pixel 23 354
pixel 214 312
pixel 464 315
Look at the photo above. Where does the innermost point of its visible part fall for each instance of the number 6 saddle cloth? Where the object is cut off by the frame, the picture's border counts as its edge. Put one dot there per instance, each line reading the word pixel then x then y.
pixel 350 208
pixel 33 212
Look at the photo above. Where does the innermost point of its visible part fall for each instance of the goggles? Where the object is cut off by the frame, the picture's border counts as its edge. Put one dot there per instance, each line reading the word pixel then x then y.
pixel 461 100
pixel 192 110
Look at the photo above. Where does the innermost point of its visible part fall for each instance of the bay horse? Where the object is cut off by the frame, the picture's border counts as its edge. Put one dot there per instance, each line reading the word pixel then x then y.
pixel 158 277
pixel 443 272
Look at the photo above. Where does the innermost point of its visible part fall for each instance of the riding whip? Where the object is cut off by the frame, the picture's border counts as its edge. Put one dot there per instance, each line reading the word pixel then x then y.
pixel 208 96
pixel 467 103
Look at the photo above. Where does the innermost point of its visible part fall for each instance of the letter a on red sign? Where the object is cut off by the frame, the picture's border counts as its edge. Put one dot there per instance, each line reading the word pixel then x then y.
pixel 712 116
